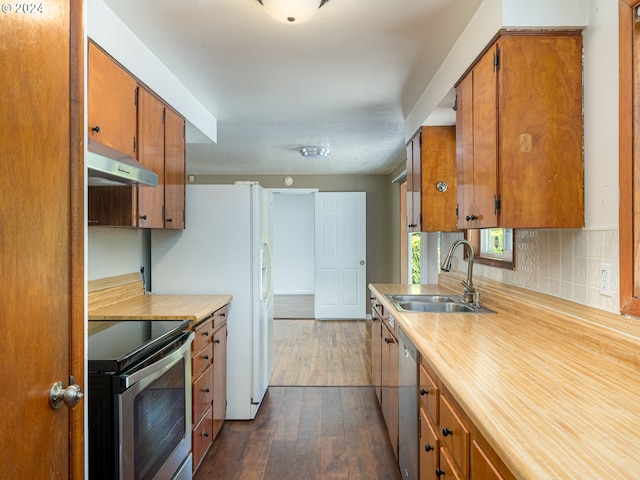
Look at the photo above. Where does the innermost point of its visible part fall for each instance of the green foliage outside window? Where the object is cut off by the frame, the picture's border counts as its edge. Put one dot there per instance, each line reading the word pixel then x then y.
pixel 415 258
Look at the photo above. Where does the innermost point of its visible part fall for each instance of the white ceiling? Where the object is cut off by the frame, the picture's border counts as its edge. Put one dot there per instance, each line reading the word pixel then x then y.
pixel 346 79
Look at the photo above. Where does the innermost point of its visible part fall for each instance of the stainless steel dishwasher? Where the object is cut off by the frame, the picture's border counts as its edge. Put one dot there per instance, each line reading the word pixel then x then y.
pixel 408 407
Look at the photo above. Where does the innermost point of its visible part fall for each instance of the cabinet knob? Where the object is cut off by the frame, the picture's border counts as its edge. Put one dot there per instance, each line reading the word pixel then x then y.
pixel 206 334
pixel 206 390
pixel 205 434
pixel 96 129
pixel 169 220
pixel 446 432
pixel 428 448
pixel 442 186
pixel 206 357
pixel 424 392
pixel 143 217
pixel 223 314
pixel 387 340
pixel 217 340
pixel 412 225
pixel 470 218
pixel 439 472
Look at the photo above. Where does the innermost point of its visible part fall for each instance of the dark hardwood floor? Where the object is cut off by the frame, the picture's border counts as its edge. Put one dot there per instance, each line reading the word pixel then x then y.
pixel 306 432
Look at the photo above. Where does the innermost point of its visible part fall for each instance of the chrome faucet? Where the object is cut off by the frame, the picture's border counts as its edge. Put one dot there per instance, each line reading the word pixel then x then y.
pixel 470 295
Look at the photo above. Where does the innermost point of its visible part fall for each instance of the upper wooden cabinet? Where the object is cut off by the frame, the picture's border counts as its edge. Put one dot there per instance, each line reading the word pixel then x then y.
pixel 157 141
pixel 431 180
pixel 111 103
pixel 519 134
pixel 174 170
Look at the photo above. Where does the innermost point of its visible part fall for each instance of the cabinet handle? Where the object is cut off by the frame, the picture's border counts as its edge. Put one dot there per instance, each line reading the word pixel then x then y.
pixel 470 218
pixel 206 334
pixel 143 217
pixel 428 448
pixel 96 129
pixel 424 392
pixel 412 225
pixel 169 220
pixel 206 390
pixel 206 357
pixel 446 432
pixel 205 434
pixel 439 472
pixel 223 314
pixel 388 340
pixel 217 340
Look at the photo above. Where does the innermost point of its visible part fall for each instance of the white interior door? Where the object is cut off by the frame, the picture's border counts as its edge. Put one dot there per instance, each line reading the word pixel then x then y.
pixel 340 255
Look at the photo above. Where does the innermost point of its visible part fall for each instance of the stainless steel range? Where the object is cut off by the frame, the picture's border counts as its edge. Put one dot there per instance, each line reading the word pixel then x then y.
pixel 139 400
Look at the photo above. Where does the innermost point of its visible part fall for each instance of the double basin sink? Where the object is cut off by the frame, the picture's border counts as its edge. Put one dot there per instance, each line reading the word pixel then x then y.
pixel 434 304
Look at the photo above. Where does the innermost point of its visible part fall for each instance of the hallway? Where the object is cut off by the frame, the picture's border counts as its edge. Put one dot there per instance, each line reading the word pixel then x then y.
pixel 324 424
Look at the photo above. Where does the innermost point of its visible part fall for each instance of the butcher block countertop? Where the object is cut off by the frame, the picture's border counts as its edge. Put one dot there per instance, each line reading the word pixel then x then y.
pixel 553 386
pixel 123 298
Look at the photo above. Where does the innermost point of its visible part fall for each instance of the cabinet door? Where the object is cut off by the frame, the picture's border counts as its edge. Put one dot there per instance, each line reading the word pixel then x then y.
pixel 174 170
pixel 438 191
pixel 111 105
pixel 485 154
pixel 376 352
pixel 219 378
pixel 414 185
pixel 481 466
pixel 390 386
pixel 464 151
pixel 540 149
pixel 429 447
pixel 151 155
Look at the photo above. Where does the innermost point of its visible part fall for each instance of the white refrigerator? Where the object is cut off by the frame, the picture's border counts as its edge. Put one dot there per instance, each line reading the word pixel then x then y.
pixel 225 249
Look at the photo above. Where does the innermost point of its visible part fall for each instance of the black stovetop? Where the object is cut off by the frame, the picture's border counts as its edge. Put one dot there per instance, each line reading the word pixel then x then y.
pixel 117 345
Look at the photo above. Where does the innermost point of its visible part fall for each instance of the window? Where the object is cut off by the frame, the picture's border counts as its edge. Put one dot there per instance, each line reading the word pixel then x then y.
pixel 493 246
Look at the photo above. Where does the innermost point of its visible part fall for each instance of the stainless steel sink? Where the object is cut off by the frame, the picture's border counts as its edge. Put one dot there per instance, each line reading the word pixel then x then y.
pixel 434 304
pixel 423 298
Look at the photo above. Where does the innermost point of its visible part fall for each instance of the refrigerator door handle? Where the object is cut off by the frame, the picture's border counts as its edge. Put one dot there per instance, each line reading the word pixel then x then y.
pixel 269 260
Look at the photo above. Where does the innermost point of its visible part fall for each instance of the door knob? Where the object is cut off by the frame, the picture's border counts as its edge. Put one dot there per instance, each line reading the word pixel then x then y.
pixel 70 396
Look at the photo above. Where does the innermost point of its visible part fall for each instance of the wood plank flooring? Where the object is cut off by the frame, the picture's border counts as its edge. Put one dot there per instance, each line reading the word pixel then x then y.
pixel 310 432
pixel 321 352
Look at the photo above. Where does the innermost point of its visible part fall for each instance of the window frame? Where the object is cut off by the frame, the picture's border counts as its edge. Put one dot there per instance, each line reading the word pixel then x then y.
pixel 629 160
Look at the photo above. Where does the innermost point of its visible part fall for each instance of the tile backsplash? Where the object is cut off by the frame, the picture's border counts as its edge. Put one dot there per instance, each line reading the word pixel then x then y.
pixel 562 263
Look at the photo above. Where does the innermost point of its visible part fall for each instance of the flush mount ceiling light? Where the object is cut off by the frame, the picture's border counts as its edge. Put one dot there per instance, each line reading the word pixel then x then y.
pixel 315 152
pixel 292 11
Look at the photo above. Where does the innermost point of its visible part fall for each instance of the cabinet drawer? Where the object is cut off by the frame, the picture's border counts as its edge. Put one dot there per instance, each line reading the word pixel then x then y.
pixel 481 466
pixel 202 394
pixel 429 447
pixel 455 436
pixel 201 360
pixel 220 317
pixel 429 395
pixel 204 335
pixel 447 468
pixel 377 306
pixel 202 438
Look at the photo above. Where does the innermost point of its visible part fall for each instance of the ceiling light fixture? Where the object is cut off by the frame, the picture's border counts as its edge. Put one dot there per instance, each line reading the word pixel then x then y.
pixel 292 11
pixel 314 152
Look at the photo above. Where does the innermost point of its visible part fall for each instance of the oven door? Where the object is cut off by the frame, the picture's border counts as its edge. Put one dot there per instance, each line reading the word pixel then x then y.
pixel 155 415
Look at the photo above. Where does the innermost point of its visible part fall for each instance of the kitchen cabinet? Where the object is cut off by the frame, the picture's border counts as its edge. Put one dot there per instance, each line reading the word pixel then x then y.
pixel 519 137
pixel 384 368
pixel 377 312
pixel 174 170
pixel 450 444
pixel 148 210
pixel 431 180
pixel 209 367
pixel 159 144
pixel 111 102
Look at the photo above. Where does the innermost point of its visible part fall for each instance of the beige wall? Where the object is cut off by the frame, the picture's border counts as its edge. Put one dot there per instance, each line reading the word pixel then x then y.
pixel 382 211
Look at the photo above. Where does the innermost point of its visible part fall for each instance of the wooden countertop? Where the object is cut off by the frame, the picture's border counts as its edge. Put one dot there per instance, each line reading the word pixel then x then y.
pixel 123 298
pixel 553 386
pixel 162 307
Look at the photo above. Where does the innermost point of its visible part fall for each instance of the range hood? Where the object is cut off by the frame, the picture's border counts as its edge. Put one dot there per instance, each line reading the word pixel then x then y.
pixel 108 167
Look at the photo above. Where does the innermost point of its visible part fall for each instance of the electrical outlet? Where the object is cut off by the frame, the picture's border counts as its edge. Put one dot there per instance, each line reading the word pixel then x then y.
pixel 605 279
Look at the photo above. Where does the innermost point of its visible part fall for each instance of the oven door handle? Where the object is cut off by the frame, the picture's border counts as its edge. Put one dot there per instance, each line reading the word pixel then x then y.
pixel 163 363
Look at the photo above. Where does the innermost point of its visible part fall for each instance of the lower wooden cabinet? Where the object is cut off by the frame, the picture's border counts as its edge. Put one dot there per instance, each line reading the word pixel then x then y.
pixel 429 448
pixel 209 382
